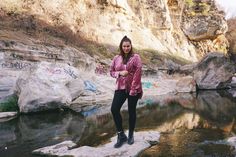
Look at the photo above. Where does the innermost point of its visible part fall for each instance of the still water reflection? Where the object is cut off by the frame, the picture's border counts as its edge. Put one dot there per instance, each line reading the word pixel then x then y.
pixel 186 122
pixel 20 136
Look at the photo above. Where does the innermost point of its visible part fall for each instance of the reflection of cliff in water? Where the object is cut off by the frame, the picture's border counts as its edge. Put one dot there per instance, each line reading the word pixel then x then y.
pixel 209 117
pixel 184 119
pixel 207 109
pixel 30 132
pixel 217 106
pixel 101 127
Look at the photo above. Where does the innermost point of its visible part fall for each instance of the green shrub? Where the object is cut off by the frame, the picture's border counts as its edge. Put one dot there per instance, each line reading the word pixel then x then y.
pixel 10 104
pixel 190 3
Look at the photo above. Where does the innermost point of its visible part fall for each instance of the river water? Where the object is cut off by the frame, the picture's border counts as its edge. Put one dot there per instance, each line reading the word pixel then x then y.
pixel 191 125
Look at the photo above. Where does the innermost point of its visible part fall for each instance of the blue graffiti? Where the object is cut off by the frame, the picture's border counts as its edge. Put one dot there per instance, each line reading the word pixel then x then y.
pixel 90 86
pixel 147 84
pixel 150 85
pixel 149 102
pixel 89 112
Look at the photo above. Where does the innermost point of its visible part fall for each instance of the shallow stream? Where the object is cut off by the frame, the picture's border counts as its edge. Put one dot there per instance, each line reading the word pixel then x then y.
pixel 191 126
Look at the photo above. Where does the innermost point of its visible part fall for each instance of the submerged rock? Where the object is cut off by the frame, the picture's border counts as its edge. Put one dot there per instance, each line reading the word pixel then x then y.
pixel 143 140
pixel 232 141
pixel 6 116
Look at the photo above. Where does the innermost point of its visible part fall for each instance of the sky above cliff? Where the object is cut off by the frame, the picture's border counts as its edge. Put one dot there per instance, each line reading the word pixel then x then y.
pixel 229 7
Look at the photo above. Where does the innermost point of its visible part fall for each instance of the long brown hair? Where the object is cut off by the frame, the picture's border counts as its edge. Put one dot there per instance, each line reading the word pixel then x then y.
pixel 125 58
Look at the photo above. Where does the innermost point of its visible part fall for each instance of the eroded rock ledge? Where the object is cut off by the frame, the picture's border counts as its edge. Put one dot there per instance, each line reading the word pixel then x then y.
pixel 143 140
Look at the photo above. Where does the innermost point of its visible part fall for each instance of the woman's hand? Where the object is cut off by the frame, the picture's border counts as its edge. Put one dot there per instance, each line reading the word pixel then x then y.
pixel 123 73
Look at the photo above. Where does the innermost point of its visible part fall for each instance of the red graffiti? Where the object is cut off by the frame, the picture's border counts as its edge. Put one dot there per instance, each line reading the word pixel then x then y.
pixel 54 71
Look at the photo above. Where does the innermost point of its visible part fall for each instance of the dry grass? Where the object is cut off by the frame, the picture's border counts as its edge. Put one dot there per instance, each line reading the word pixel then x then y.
pixel 152 57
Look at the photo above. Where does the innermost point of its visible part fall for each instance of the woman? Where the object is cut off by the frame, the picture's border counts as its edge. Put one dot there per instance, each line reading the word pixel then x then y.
pixel 126 68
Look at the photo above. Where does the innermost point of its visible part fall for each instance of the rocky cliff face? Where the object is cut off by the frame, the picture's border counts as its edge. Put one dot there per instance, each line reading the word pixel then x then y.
pixel 231 36
pixel 206 27
pixel 173 27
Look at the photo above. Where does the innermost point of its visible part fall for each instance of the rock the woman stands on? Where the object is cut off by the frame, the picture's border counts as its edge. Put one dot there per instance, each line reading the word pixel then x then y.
pixel 127 69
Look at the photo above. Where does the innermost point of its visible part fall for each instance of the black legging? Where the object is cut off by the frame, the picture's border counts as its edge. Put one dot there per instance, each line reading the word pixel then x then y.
pixel 119 98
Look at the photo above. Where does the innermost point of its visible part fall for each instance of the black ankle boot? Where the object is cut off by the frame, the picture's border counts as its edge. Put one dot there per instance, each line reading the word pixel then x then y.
pixel 130 140
pixel 131 137
pixel 121 139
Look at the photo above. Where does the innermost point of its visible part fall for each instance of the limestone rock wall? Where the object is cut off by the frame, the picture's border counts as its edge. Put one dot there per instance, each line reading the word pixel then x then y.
pixel 184 28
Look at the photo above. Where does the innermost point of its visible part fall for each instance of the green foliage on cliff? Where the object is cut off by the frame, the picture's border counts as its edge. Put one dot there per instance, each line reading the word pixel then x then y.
pixel 10 104
pixel 205 8
pixel 197 8
pixel 190 3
